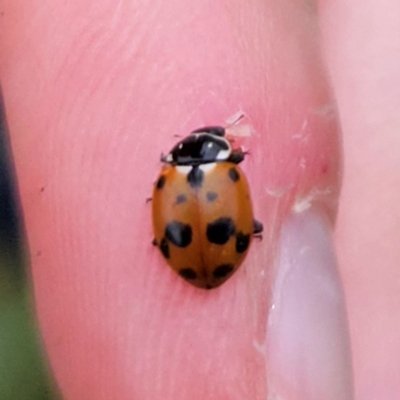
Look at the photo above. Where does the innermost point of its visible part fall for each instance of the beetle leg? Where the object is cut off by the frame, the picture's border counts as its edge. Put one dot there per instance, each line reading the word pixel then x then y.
pixel 257 227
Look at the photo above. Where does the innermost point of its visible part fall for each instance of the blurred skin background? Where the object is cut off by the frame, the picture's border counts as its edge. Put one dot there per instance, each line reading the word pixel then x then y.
pixel 23 370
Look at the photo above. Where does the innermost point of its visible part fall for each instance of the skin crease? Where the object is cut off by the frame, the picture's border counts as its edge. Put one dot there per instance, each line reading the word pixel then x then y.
pixel 364 62
pixel 102 87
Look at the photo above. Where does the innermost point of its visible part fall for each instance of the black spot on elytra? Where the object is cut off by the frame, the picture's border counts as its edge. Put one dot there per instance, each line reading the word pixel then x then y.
pixel 242 242
pixel 161 182
pixel 178 233
pixel 188 274
pixel 164 247
pixel 181 198
pixel 211 196
pixel 222 271
pixel 154 242
pixel 233 174
pixel 195 177
pixel 220 230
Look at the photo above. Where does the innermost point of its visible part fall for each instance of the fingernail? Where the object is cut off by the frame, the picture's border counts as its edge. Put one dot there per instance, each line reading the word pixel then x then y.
pixel 308 340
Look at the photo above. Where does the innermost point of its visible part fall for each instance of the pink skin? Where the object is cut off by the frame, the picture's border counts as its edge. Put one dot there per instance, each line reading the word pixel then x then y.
pixel 95 92
pixel 365 63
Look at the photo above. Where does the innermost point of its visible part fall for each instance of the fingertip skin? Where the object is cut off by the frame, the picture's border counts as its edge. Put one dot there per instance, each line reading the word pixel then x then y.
pixel 364 73
pixel 102 90
pixel 309 352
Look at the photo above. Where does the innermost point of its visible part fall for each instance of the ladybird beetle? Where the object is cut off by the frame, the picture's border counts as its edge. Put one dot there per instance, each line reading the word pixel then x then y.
pixel 202 212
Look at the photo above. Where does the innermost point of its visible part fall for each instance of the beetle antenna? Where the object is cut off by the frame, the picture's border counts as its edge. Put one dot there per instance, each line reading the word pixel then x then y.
pixel 234 119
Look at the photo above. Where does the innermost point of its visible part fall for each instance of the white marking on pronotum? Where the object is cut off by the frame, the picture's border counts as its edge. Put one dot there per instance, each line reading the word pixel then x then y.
pixel 206 168
pixel 224 154
pixel 184 169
